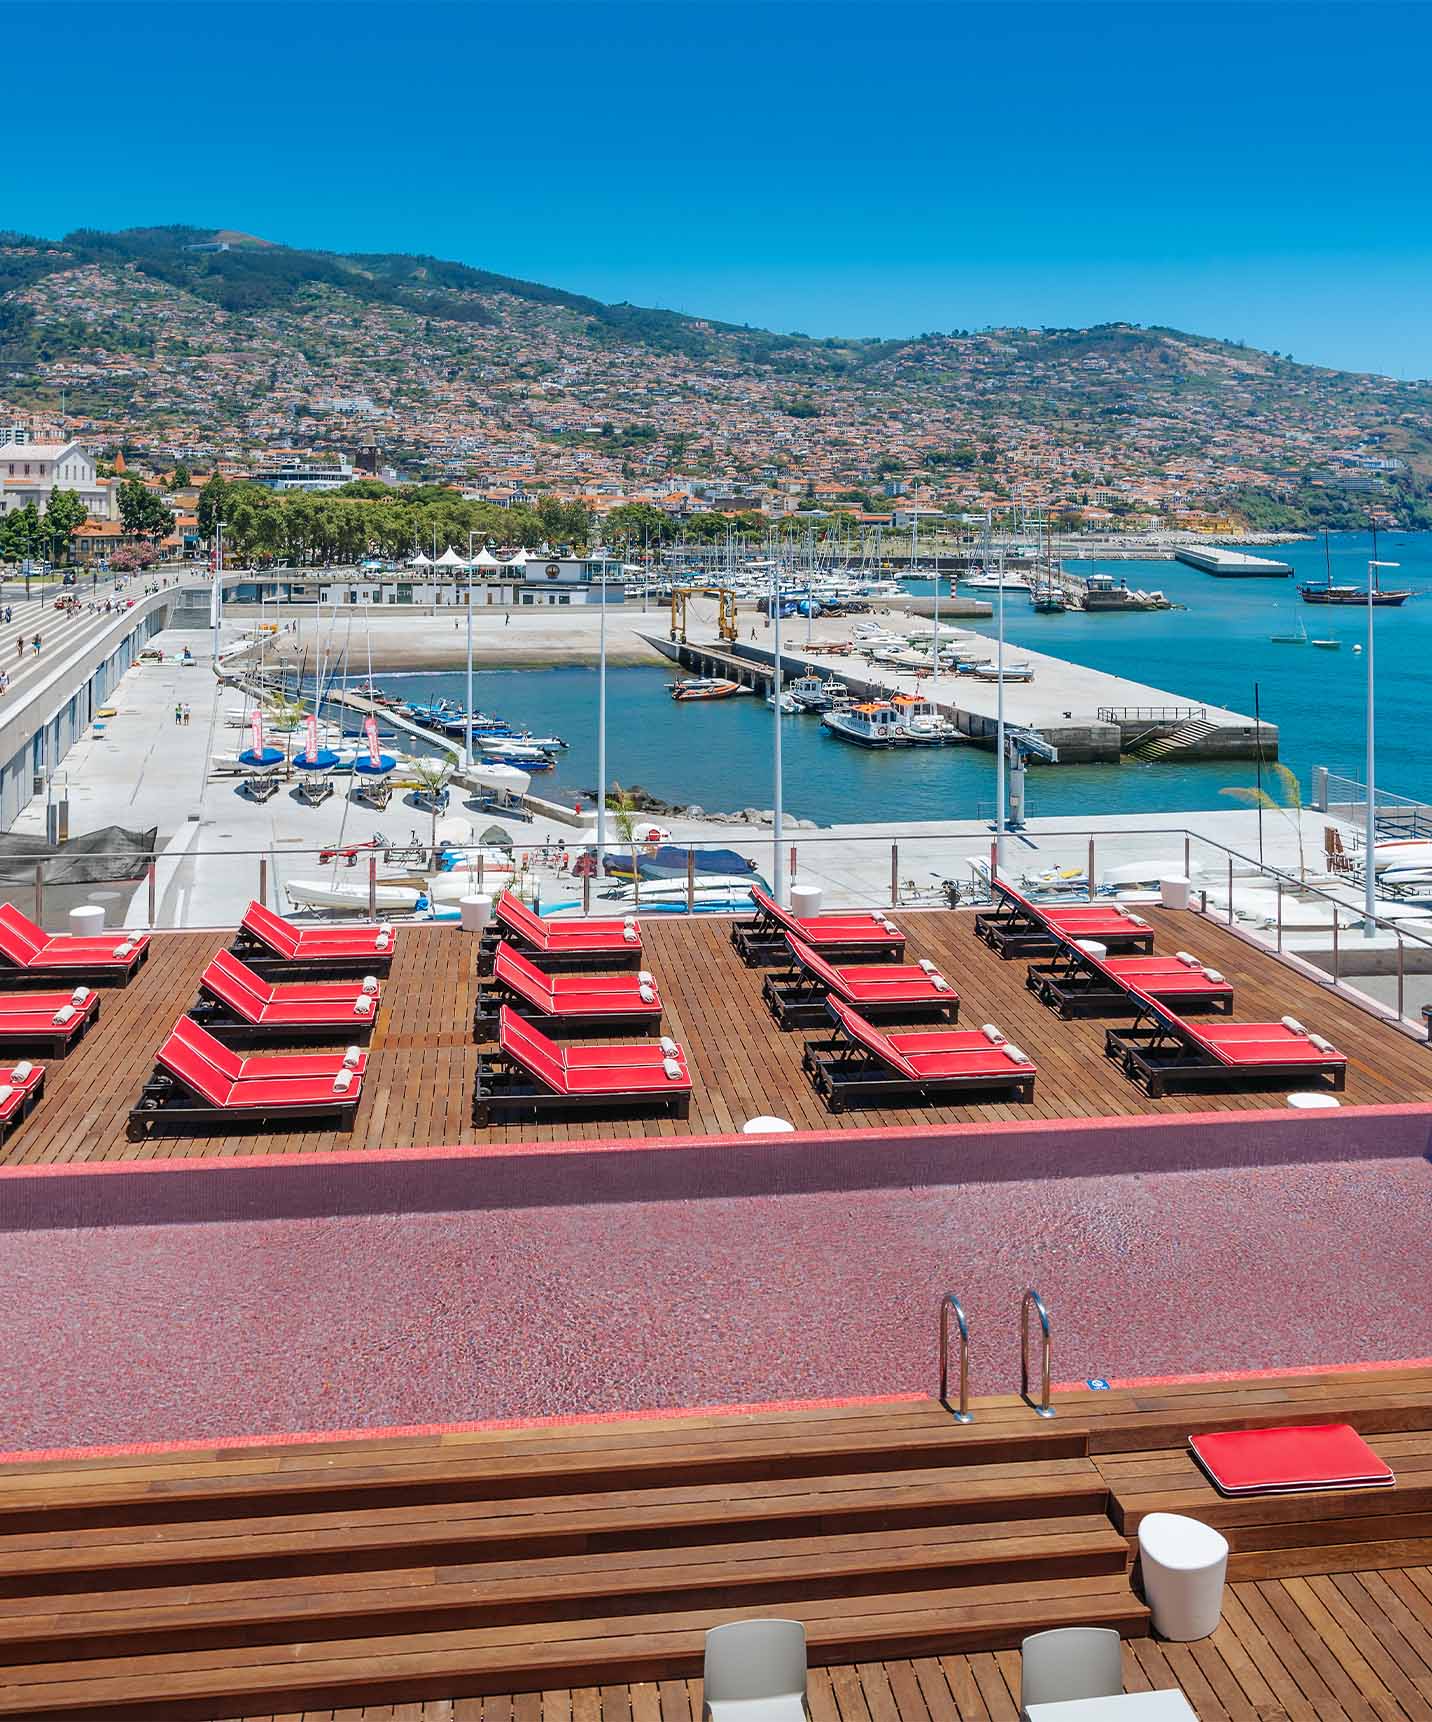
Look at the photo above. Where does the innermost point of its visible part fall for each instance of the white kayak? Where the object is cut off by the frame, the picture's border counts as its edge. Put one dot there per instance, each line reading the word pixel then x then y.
pixel 326 894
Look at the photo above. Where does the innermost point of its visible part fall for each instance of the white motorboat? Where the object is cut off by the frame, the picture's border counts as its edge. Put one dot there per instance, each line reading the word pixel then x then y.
pixel 809 693
pixel 504 779
pixel 922 721
pixel 790 705
pixel 1012 672
pixel 990 580
pixel 872 723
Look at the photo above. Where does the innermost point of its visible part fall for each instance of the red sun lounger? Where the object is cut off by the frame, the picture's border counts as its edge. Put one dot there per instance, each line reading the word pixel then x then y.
pixel 853 933
pixel 239 1005
pixel 21 1086
pixel 580 944
pixel 199 1084
pixel 270 945
pixel 47 1022
pixel 531 1075
pixel 570 1003
pixel 29 953
pixel 902 991
pixel 1161 1050
pixel 1022 928
pixel 863 1067
pixel 1078 982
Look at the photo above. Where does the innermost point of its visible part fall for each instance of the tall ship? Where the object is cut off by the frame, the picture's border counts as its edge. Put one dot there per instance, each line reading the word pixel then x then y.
pixel 1330 593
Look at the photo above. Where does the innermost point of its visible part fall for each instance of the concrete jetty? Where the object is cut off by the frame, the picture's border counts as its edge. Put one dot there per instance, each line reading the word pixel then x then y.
pixel 1090 716
pixel 1231 564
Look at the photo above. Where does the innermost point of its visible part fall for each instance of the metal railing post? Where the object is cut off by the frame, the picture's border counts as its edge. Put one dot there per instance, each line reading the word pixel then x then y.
pixel 1337 954
pixel 263 880
pixel 372 887
pixel 39 893
pixel 153 872
pixel 948 1303
pixel 1043 1408
pixel 1230 890
pixel 1401 975
pixel 1280 914
pixel 480 864
pixel 586 893
pixel 690 880
pixel 894 875
pixel 1187 856
pixel 1090 874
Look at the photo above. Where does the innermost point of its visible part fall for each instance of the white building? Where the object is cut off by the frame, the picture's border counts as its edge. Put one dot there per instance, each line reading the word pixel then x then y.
pixel 31 471
pixel 572 580
pixel 310 475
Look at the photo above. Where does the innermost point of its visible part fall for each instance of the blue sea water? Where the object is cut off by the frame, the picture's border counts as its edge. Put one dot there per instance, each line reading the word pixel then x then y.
pixel 1216 650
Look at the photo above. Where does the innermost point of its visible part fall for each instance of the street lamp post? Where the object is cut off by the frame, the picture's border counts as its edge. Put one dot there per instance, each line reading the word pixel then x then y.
pixel 778 881
pixel 602 729
pixel 467 756
pixel 1369 884
pixel 999 787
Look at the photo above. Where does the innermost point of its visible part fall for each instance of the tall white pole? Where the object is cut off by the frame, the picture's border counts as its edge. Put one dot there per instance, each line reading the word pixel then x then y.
pixel 778 879
pixel 602 732
pixel 1369 884
pixel 935 689
pixel 216 604
pixel 467 752
pixel 999 731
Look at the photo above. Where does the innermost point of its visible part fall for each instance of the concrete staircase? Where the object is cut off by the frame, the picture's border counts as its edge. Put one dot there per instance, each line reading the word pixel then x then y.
pixel 1182 737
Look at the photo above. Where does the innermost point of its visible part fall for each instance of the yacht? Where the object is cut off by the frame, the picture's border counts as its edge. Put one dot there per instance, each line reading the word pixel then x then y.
pixel 873 723
pixel 809 693
pixel 923 723
pixel 1014 671
pixel 705 688
pixel 989 580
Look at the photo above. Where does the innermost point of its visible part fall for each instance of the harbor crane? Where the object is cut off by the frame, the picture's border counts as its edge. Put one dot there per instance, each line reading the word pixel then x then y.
pixel 726 617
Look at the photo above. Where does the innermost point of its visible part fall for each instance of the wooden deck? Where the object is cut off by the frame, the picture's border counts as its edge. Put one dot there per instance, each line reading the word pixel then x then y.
pixel 419 1087
pixel 568 1574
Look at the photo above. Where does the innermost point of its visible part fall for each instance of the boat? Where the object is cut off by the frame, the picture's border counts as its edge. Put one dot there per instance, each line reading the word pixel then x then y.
pixel 1373 594
pixel 1298 639
pixel 809 693
pixel 789 704
pixel 987 581
pixel 1327 645
pixel 922 721
pixel 873 723
pixel 705 688
pixel 712 893
pixel 329 894
pixel 1048 602
pixel 1019 671
pixel 1102 593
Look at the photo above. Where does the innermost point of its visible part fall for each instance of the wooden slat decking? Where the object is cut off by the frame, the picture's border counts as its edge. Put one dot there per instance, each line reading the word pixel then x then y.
pixel 418 1091
pixel 1350 1648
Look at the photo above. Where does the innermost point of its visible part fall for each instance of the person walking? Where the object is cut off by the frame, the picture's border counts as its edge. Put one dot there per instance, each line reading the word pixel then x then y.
pixel 36 644
pixel 186 714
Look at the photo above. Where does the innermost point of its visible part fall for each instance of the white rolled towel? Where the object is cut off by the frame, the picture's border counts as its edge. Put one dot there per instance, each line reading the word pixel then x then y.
pixel 352 1057
pixel 124 949
pixel 992 1032
pixel 1187 958
pixel 370 983
pixel 648 994
pixel 939 983
pixel 383 938
pixel 1214 976
pixel 1321 1044
pixel 343 1081
pixel 23 1070
pixel 79 995
pixel 363 1005
pixel 630 934
pixel 927 965
pixel 1013 1054
pixel 5 1092
pixel 672 1068
pixel 1138 920
pixel 646 977
pixel 668 1045
pixel 66 1013
pixel 1292 1024
pixel 628 920
pixel 1128 914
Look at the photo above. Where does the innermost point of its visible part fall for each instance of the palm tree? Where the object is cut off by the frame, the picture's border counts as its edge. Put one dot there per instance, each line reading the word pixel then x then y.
pixel 624 810
pixel 1291 805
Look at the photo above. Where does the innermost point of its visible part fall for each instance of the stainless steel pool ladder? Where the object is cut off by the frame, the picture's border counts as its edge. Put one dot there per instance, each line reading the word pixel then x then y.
pixel 950 1303
pixel 1043 1408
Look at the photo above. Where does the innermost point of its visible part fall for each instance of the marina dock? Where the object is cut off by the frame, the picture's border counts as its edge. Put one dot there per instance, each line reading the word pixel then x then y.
pixel 1231 564
pixel 1089 716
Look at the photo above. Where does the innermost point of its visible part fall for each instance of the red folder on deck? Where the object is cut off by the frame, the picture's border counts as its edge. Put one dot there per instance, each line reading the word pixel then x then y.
pixel 1279 1461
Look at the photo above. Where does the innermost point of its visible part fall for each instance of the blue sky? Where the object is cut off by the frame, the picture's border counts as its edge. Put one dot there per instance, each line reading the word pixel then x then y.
pixel 1258 172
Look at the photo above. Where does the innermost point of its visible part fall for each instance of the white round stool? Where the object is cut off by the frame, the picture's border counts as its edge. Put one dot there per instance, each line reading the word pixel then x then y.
pixel 1312 1100
pixel 805 901
pixel 476 912
pixel 1184 1563
pixel 87 921
pixel 1097 951
pixel 766 1126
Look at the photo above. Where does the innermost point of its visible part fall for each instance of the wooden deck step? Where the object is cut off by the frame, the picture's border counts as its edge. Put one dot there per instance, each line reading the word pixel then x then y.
pixel 451 1468
pixel 609 1521
pixel 414 1665
pixel 1283 1535
pixel 370 1602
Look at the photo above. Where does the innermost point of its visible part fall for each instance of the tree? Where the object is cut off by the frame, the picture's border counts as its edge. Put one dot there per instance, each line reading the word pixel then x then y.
pixel 143 513
pixel 211 505
pixel 180 478
pixel 1291 806
pixel 63 515
pixel 21 534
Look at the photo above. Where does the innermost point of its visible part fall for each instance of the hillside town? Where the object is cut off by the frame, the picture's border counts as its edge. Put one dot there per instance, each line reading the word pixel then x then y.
pixel 508 400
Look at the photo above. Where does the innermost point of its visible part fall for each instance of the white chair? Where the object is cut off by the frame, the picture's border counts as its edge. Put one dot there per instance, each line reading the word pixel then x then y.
pixel 755 1672
pixel 1184 1563
pixel 1070 1662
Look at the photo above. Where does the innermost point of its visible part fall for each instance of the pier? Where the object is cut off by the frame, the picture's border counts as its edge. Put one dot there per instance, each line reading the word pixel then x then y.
pixel 1231 564
pixel 1089 716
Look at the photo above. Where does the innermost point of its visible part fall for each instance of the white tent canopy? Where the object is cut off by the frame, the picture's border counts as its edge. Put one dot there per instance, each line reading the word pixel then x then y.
pixel 519 560
pixel 485 559
pixel 420 561
pixel 450 559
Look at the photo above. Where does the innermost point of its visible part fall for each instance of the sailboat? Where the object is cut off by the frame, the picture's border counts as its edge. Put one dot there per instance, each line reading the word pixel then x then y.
pixel 1298 639
pixel 1328 593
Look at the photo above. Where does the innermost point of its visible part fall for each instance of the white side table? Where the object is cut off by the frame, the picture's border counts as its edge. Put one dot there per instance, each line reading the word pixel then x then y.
pixel 805 901
pixel 87 921
pixel 1313 1100
pixel 476 912
pixel 1183 1564
pixel 765 1126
